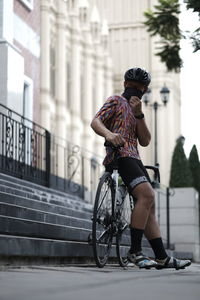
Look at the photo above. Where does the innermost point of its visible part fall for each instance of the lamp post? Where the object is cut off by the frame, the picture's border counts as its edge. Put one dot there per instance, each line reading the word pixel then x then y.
pixel 164 93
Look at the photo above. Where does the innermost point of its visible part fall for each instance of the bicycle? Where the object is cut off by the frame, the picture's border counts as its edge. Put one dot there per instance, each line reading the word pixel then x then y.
pixel 111 215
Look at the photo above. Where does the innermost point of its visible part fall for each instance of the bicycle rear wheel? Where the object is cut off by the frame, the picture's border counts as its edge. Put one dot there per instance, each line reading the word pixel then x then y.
pixel 102 227
pixel 123 234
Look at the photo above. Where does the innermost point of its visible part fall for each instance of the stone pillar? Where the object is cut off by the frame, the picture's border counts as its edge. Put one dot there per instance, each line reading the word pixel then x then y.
pixel 99 74
pixel 11 79
pixel 6 20
pixel 61 121
pixel 45 65
pixel 107 61
pixel 87 105
pixel 75 95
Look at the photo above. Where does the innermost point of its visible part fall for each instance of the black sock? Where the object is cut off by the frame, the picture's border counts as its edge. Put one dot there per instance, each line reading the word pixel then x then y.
pixel 136 240
pixel 158 248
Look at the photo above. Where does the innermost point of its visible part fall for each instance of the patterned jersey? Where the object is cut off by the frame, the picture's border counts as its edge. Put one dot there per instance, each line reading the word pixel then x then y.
pixel 116 114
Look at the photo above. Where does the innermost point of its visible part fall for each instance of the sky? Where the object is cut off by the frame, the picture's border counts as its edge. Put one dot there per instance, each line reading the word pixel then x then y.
pixel 190 84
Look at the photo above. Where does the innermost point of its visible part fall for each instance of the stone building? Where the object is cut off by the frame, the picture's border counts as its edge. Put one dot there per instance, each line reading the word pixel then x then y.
pixel 74 47
pixel 20 56
pixel 76 76
pixel 63 58
pixel 131 45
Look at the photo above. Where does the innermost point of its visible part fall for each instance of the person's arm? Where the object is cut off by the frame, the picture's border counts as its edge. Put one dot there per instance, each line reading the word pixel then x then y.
pixel 143 133
pixel 98 126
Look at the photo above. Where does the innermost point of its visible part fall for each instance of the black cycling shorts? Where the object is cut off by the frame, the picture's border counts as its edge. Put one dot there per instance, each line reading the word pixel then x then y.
pixel 132 171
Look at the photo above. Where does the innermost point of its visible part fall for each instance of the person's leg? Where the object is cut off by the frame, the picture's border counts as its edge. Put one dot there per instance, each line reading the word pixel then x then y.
pixel 152 233
pixel 139 219
pixel 140 215
pixel 137 181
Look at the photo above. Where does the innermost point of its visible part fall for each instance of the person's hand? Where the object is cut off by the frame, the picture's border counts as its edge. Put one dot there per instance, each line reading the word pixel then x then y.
pixel 115 138
pixel 136 105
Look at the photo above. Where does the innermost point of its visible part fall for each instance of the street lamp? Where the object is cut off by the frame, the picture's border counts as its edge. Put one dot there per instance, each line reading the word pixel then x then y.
pixel 164 93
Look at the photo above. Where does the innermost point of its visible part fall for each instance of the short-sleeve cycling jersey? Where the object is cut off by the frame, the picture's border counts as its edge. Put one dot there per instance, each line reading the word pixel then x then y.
pixel 116 114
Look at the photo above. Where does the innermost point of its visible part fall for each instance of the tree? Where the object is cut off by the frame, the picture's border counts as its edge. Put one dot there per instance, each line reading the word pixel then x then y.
pixel 164 21
pixel 180 171
pixel 195 36
pixel 195 167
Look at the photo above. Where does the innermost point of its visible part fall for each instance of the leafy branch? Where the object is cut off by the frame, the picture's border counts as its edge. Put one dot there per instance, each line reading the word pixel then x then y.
pixel 164 21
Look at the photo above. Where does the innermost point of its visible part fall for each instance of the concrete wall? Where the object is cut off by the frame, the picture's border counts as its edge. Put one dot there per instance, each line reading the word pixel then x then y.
pixel 184 219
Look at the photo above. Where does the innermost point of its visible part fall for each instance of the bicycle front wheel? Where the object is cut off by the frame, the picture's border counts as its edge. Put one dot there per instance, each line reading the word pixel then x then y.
pixel 102 226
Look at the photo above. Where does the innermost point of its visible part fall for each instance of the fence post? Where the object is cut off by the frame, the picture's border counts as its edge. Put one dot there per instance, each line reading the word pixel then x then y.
pixel 48 157
pixel 168 216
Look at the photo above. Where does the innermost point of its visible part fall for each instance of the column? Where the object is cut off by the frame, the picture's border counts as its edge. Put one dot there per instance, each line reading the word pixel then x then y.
pixel 87 98
pixel 99 98
pixel 6 27
pixel 61 113
pixel 107 61
pixel 99 79
pixel 75 95
pixel 45 65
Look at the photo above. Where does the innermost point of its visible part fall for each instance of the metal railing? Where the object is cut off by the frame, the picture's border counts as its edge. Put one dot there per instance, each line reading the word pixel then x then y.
pixel 163 197
pixel 74 169
pixel 28 151
pixel 23 147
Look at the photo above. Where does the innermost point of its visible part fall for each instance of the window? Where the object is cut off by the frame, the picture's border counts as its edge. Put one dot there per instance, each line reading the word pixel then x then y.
pixel 27 3
pixel 28 98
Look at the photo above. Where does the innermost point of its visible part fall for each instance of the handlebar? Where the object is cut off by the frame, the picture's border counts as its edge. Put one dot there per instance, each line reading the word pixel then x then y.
pixel 156 172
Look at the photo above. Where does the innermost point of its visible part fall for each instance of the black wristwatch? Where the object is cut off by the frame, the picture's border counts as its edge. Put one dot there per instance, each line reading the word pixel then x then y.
pixel 141 116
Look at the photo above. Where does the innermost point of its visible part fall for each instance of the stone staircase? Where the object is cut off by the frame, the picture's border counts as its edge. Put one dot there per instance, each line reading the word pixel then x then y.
pixel 39 225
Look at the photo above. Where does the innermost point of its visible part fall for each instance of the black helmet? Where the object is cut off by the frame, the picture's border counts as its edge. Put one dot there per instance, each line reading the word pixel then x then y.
pixel 139 75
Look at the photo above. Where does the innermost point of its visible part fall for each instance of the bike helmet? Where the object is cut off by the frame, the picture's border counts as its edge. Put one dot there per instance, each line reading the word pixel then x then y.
pixel 139 75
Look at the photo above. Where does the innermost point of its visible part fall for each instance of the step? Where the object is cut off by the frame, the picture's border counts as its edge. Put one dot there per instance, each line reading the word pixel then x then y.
pixel 38 247
pixel 69 203
pixel 28 228
pixel 13 248
pixel 33 192
pixel 11 210
pixel 28 186
pixel 43 206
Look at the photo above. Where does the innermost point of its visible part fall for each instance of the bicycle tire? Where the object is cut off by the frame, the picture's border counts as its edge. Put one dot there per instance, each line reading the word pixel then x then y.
pixel 123 235
pixel 102 234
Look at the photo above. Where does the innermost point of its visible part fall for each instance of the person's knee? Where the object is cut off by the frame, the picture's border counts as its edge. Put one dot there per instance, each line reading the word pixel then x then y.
pixel 149 199
pixel 145 195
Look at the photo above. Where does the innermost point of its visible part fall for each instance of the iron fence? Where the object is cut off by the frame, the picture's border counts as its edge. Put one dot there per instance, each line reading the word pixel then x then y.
pixel 28 151
pixel 23 147
pixel 74 169
pixel 163 197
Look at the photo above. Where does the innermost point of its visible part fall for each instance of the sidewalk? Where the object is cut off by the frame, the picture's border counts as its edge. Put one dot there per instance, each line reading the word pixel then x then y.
pixel 89 282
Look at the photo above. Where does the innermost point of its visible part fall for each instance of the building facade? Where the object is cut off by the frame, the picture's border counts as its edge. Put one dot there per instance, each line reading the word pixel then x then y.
pixel 20 56
pixel 131 45
pixel 61 60
pixel 74 49
pixel 76 76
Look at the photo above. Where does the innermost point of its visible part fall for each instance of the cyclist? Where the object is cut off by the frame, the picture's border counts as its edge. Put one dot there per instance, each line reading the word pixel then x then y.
pixel 121 121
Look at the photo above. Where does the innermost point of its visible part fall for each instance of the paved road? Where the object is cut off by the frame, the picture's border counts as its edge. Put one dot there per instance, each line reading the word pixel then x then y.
pixel 88 282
